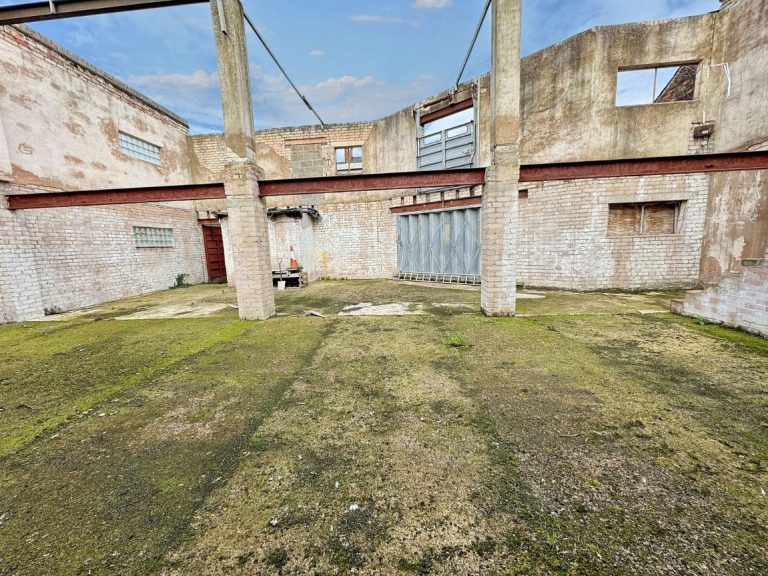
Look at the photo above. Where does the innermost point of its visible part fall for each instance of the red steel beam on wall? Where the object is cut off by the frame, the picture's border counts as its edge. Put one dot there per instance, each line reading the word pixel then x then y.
pixel 447 111
pixel 297 186
pixel 403 180
pixel 106 197
pixel 729 162
pixel 370 182
pixel 438 205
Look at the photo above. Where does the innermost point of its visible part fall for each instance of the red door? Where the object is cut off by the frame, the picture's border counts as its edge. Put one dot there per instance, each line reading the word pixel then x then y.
pixel 214 253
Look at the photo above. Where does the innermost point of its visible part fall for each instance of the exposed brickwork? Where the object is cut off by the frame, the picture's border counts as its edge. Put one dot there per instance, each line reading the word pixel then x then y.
pixel 75 257
pixel 61 120
pixel 500 259
pixel 289 152
pixel 248 232
pixel 307 160
pixel 738 300
pixel 702 144
pixel 564 242
pixel 356 234
pixel 350 240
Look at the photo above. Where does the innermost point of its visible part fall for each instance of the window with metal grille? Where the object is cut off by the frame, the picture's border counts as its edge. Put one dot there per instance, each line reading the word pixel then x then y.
pixel 644 219
pixel 349 159
pixel 150 237
pixel 137 148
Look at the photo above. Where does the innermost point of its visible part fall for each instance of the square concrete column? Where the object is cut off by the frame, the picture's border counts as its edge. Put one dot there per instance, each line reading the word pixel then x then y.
pixel 247 230
pixel 500 218
pixel 249 237
pixel 498 293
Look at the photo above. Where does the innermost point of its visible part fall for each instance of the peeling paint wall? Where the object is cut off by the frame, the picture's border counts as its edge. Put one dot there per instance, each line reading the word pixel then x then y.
pixel 355 235
pixel 5 159
pixel 569 93
pixel 737 226
pixel 59 124
pixel 59 121
pixel 739 300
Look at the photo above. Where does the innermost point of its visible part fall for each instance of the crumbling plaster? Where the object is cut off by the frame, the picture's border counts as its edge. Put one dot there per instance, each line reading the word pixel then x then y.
pixel 61 120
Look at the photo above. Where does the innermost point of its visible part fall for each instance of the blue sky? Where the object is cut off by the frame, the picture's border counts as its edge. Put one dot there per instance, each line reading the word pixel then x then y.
pixel 355 60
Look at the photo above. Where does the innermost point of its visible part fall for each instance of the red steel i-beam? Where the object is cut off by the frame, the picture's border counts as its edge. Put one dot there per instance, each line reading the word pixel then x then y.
pixel 728 162
pixel 725 162
pixel 371 182
pixel 299 186
pixel 118 196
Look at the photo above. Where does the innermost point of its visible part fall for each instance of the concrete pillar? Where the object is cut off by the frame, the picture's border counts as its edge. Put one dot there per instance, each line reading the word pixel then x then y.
pixel 234 79
pixel 248 230
pixel 500 219
pixel 247 222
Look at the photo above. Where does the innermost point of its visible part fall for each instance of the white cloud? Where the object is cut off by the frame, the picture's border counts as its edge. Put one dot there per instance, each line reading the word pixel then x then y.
pixel 317 53
pixel 432 3
pixel 375 18
pixel 195 97
pixel 198 79
pixel 339 99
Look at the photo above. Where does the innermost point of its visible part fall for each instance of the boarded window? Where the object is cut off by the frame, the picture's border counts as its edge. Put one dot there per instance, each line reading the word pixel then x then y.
pixel 656 85
pixel 644 219
pixel 349 159
pixel 151 237
pixel 137 148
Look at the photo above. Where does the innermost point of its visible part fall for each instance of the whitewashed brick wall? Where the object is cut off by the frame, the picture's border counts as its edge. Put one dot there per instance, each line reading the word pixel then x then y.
pixel 20 296
pixel 739 300
pixel 564 240
pixel 74 257
pixel 563 229
pixel 350 240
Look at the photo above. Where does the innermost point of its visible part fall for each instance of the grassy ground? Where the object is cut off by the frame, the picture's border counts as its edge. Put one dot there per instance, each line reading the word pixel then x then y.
pixel 589 437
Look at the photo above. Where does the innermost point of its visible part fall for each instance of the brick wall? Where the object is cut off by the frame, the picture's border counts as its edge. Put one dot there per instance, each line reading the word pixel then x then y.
pixel 307 160
pixel 74 257
pixel 740 300
pixel 350 240
pixel 355 236
pixel 293 152
pixel 564 242
pixel 20 297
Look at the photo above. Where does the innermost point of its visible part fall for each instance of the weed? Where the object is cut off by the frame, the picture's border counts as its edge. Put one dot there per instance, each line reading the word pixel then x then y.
pixel 53 311
pixel 181 282
pixel 456 340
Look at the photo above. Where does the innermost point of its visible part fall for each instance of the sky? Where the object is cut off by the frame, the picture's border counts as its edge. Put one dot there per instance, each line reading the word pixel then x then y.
pixel 354 59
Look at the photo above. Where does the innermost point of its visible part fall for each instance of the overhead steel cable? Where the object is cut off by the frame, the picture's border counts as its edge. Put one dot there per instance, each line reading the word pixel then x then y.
pixel 474 41
pixel 277 62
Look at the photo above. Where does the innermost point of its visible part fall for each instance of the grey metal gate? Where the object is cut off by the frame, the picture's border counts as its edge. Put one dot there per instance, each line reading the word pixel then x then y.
pixel 449 149
pixel 440 246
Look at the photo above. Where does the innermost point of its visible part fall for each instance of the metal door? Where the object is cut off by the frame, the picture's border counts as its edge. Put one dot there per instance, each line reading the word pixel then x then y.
pixel 214 254
pixel 440 246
